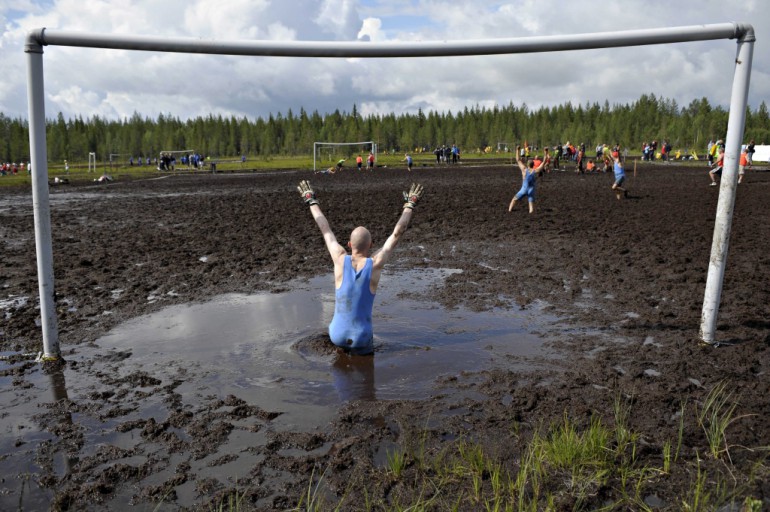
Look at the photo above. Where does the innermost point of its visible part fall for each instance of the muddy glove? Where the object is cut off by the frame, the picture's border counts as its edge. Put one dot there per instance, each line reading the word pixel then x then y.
pixel 307 193
pixel 414 195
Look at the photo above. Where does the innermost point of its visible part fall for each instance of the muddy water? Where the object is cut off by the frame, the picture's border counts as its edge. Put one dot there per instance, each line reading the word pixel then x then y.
pixel 256 348
pixel 253 346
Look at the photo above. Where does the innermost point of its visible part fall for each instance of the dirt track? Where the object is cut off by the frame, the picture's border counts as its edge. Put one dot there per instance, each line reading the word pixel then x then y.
pixel 627 277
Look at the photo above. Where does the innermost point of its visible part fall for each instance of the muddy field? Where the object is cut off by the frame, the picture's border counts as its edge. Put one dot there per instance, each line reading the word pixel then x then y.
pixel 625 279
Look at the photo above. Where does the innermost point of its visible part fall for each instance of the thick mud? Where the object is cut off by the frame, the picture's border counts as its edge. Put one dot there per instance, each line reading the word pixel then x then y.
pixel 612 291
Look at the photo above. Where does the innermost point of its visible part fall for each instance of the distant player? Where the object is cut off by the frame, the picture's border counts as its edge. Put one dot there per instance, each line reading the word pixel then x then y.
pixel 528 175
pixel 581 154
pixel 409 162
pixel 620 176
pixel 360 162
pixel 744 162
pixel 717 171
pixel 370 161
pixel 713 152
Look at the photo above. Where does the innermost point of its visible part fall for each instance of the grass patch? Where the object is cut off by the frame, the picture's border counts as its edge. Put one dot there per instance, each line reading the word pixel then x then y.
pixel 716 414
pixel 564 467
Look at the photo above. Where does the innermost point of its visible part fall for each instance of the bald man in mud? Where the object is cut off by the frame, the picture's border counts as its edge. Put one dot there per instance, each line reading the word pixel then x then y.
pixel 357 275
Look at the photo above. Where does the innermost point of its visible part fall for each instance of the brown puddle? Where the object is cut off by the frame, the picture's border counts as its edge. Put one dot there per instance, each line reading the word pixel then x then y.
pixel 267 350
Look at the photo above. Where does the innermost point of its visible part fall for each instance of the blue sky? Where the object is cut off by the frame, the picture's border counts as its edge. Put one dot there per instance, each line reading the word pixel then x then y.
pixel 114 84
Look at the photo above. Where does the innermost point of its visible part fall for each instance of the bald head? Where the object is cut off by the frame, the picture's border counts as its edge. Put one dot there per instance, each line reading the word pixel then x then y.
pixel 360 239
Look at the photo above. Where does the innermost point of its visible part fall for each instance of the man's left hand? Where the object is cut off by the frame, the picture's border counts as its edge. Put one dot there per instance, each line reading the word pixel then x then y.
pixel 307 193
pixel 414 195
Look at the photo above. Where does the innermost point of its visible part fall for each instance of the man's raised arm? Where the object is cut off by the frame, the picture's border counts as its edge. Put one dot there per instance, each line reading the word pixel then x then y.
pixel 545 161
pixel 522 165
pixel 308 194
pixel 410 201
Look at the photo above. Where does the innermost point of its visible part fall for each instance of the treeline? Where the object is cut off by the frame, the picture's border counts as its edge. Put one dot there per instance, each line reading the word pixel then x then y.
pixel 648 118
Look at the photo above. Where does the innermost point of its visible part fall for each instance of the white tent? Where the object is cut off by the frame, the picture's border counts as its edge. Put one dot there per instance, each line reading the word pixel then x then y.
pixel 762 153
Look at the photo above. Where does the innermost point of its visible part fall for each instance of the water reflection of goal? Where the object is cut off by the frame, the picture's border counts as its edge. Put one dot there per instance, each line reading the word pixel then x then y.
pixel 327 154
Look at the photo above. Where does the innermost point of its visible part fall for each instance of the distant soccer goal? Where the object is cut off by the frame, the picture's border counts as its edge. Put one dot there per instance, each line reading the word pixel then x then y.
pixel 179 158
pixel 329 153
pixel 505 147
pixel 118 160
pixel 91 162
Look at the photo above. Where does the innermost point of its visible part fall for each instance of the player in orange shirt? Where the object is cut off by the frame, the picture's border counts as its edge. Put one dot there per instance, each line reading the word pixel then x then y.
pixel 742 164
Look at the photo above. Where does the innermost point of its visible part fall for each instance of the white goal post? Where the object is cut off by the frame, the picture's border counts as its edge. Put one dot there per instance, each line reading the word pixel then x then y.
pixel 38 38
pixel 115 157
pixel 364 147
pixel 91 162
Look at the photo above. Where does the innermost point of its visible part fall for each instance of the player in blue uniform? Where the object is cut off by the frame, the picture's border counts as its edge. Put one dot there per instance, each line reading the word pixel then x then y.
pixel 620 176
pixel 357 275
pixel 529 174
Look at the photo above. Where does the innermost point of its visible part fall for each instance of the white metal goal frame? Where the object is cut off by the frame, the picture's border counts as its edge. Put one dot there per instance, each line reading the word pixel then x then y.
pixel 115 161
pixel 317 145
pixel 115 157
pixel 91 162
pixel 38 38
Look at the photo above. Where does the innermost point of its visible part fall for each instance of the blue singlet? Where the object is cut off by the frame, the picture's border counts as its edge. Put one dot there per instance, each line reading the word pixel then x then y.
pixel 528 186
pixel 351 327
pixel 620 174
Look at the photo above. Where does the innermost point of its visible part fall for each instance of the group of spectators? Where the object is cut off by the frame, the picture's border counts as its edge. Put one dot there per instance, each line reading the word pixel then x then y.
pixel 447 154
pixel 195 160
pixel 168 161
pixel 12 169
pixel 716 159
pixel 648 150
pixel 714 149
pixel 141 161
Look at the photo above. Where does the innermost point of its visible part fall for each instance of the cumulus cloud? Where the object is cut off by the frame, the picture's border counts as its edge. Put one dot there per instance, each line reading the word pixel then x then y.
pixel 85 82
pixel 338 17
pixel 370 30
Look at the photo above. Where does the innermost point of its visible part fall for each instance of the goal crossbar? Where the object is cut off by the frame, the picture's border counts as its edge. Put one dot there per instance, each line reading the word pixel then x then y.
pixel 38 38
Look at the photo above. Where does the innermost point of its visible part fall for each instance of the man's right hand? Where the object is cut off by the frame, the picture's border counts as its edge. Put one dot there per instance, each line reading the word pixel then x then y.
pixel 414 195
pixel 307 193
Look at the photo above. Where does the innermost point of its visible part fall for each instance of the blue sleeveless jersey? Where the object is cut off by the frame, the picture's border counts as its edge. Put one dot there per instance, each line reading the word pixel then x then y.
pixel 351 326
pixel 619 172
pixel 529 179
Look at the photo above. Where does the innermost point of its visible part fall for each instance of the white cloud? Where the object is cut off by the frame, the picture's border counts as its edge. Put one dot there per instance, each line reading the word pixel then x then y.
pixel 81 81
pixel 370 30
pixel 338 17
